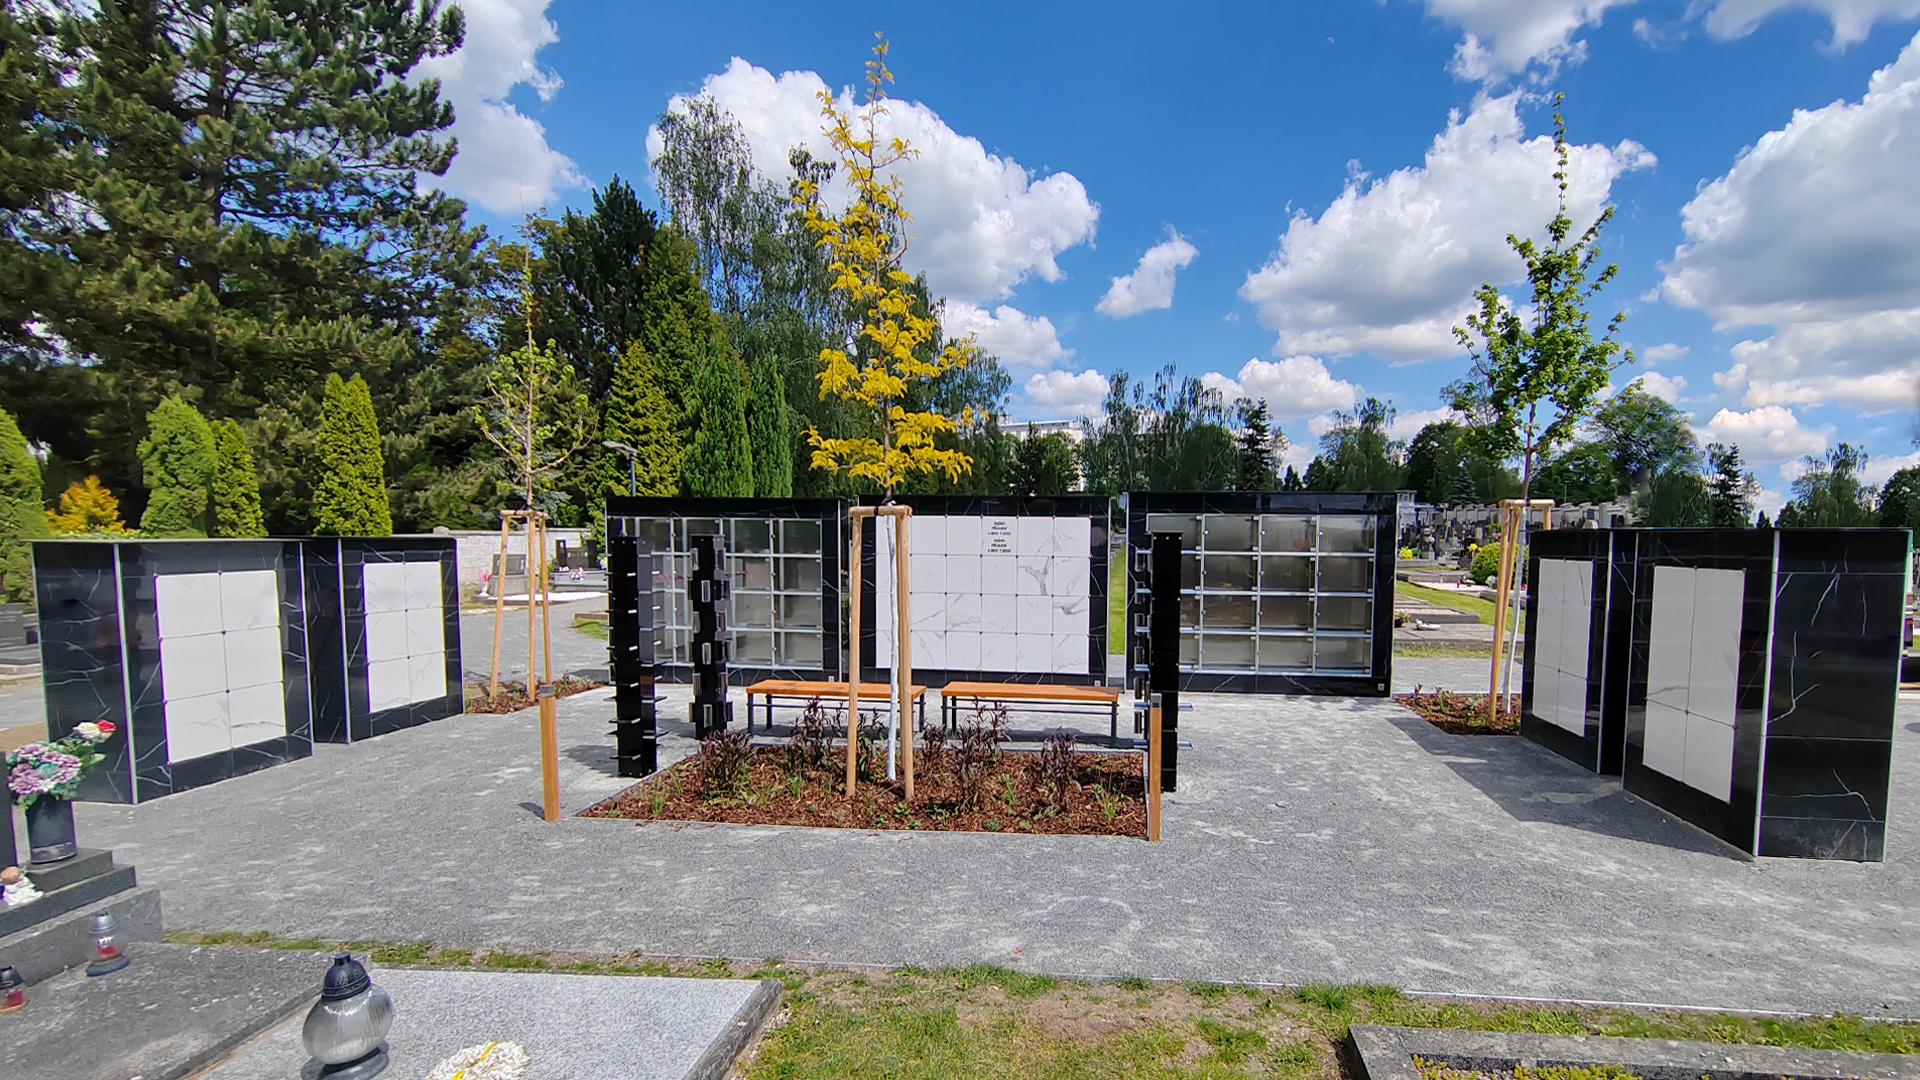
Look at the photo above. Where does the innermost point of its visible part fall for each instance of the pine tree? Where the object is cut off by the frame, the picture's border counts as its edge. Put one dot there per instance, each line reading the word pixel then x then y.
pixel 178 459
pixel 639 415
pixel 236 488
pixel 718 459
pixel 1732 488
pixel 87 508
pixel 769 429
pixel 1256 447
pixel 350 494
pixel 21 518
pixel 1292 481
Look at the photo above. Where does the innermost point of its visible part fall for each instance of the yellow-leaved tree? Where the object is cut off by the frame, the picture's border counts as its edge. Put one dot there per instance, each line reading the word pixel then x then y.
pixel 864 245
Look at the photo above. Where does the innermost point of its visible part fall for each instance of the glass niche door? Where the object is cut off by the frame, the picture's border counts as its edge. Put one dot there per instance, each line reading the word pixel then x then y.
pixel 776 616
pixel 1275 593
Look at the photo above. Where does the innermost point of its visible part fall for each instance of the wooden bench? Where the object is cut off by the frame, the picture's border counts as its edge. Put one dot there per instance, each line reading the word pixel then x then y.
pixel 803 692
pixel 952 694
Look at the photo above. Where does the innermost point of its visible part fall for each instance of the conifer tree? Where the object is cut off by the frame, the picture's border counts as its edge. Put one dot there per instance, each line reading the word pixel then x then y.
pixel 87 508
pixel 177 459
pixel 639 415
pixel 769 429
pixel 21 518
pixel 350 494
pixel 236 488
pixel 718 460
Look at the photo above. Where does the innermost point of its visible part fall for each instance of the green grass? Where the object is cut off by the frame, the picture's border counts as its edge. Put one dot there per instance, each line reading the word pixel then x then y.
pixel 1443 652
pixel 1117 597
pixel 1472 605
pixel 991 1022
pixel 592 628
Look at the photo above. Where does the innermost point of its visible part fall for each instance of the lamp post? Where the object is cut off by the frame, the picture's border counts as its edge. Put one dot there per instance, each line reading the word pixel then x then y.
pixel 632 455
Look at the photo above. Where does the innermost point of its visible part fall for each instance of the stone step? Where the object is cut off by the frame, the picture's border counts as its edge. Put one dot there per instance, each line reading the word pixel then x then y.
pixel 68 885
pixel 53 945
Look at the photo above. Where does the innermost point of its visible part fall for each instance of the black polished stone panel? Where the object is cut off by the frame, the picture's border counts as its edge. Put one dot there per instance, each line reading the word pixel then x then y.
pixel 1382 506
pixel 1606 718
pixel 82 670
pixel 363 721
pixel 1096 508
pixel 326 639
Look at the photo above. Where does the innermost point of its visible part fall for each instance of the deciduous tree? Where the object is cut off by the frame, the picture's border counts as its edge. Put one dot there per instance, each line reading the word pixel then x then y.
pixel 1830 494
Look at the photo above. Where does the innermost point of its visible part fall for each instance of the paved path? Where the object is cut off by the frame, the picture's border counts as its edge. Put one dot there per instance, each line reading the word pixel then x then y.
pixel 1311 839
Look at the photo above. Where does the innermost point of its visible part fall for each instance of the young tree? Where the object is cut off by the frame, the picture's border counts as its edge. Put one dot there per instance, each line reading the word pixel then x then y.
pixel 236 489
pixel 1044 465
pixel 769 429
pixel 350 494
pixel 895 343
pixel 1831 494
pixel 1112 451
pixel 1538 369
pixel 87 508
pixel 533 416
pixel 1359 453
pixel 639 415
pixel 1733 488
pixel 1186 445
pixel 719 455
pixel 179 461
pixel 1260 447
pixel 21 517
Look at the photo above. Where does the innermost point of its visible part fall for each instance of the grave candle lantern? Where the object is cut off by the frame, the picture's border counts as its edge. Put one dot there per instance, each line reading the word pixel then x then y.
pixel 344 1030
pixel 13 990
pixel 109 952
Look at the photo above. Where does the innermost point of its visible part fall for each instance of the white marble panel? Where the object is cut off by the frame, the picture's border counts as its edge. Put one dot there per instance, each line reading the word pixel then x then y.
pixel 999 535
pixel 929 650
pixel 1036 536
pixel 1547 623
pixel 426 676
pixel 963 650
pixel 998 576
pixel 883 649
pixel 424 586
pixel 187 604
pixel 1071 575
pixel 927 535
pixel 1709 760
pixel 385 586
pixel 929 611
pixel 193 666
pixel 249 599
pixel 996 614
pixel 253 657
pixel 963 574
pixel 1071 615
pixel 1032 615
pixel 1670 639
pixel 1070 654
pixel 197 726
pixel 1546 694
pixel 1572 703
pixel 1074 535
pixel 426 631
pixel 1715 675
pixel 1033 652
pixel 1033 574
pixel 257 713
pixel 963 536
pixel 1576 629
pixel 386 636
pixel 926 571
pixel 997 652
pixel 1665 746
pixel 963 612
pixel 388 686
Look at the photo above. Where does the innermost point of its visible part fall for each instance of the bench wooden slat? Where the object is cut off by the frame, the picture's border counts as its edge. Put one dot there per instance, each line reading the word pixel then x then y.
pixel 1094 695
pixel 799 688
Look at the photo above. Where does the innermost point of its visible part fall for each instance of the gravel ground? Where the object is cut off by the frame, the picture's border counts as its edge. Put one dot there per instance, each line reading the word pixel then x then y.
pixel 1311 839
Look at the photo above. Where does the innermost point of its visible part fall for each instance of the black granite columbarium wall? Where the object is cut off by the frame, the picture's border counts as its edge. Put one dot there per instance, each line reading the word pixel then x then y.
pixel 398 627
pixel 1282 592
pixel 633 626
pixel 968 628
pixel 1573 697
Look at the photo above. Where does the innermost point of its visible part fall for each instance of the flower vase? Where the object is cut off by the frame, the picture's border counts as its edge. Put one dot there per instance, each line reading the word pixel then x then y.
pixel 50 830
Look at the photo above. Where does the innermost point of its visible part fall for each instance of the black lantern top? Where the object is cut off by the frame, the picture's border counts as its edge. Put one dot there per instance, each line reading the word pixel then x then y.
pixel 344 979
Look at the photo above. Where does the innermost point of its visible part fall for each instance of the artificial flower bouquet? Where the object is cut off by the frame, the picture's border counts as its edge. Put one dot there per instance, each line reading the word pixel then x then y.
pixel 55 768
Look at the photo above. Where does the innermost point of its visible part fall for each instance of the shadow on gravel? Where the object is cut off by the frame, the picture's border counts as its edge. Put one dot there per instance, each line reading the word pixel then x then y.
pixel 1532 783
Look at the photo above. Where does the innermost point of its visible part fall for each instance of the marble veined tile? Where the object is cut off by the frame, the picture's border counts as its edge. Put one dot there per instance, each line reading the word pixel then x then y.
pixel 1033 574
pixel 253 657
pixel 1571 705
pixel 197 726
pixel 883 649
pixel 249 599
pixel 1033 652
pixel 426 676
pixel 1070 654
pixel 1036 536
pixel 963 650
pixel 1074 536
pixel 996 614
pixel 1709 756
pixel 385 586
pixel 1548 622
pixel 422 580
pixel 963 573
pixel 999 536
pixel 929 611
pixel 926 571
pixel 1071 615
pixel 388 684
pixel 927 535
pixel 1714 674
pixel 1670 638
pixel 1033 615
pixel 257 713
pixel 1664 748
pixel 963 536
pixel 929 649
pixel 999 575
pixel 1576 625
pixel 963 612
pixel 1072 575
pixel 997 652
pixel 187 604
pixel 386 635
pixel 193 666
pixel 426 631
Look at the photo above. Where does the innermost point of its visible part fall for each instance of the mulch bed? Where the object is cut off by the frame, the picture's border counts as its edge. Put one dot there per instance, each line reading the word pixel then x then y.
pixel 1106 797
pixel 1463 714
pixel 513 696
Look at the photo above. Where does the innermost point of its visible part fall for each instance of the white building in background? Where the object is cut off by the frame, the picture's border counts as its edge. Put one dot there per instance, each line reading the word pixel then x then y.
pixel 1038 428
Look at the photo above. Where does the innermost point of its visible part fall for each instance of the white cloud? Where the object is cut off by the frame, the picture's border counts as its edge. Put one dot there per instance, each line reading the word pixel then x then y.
pixel 1767 434
pixel 504 163
pixel 1660 354
pixel 1503 37
pixel 1295 386
pixel 1851 19
pixel 1660 386
pixel 1064 391
pixel 1150 286
pixel 1815 232
pixel 1408 424
pixel 1391 265
pixel 1007 332
pixel 981 224
pixel 1879 468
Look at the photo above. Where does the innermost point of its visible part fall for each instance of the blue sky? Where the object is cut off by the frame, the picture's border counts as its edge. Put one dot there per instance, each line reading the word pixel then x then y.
pixel 1296 202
